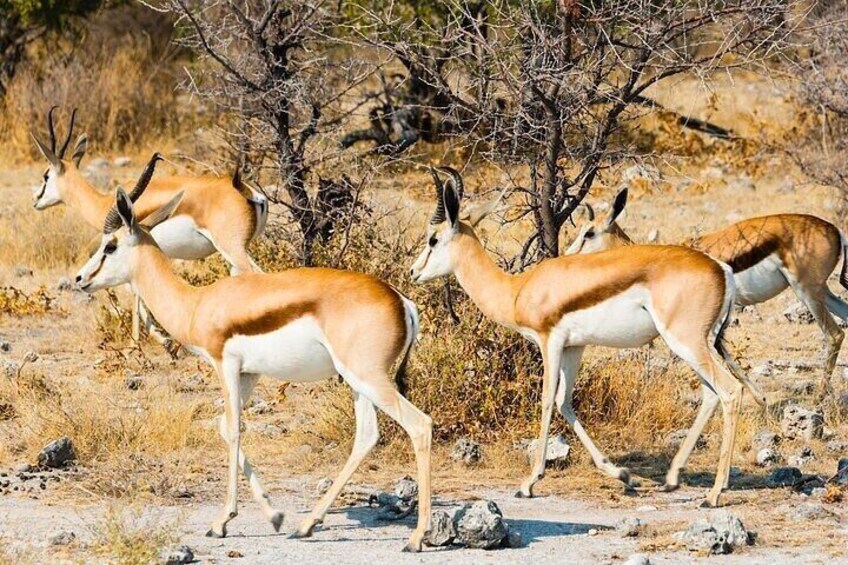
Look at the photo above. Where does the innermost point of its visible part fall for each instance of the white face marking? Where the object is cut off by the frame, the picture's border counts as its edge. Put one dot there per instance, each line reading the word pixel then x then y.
pixel 110 264
pixel 296 352
pixel 435 260
pixel 47 194
pixel 591 238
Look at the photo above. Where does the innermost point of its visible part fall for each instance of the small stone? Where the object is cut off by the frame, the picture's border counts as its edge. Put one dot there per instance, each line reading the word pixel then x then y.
pixel 798 314
pixel 557 450
pixel 783 477
pixel 763 370
pixel 62 538
pixel 178 555
pixel 64 284
pixel 480 525
pixel 765 438
pixel 406 489
pixel 630 527
pixel 592 532
pixel 122 161
pixel 323 485
pixel 258 406
pixel 9 368
pixel 717 535
pixel 513 539
pixel 801 423
pixel 134 382
pixel 766 457
pixel 653 236
pixel 467 450
pixel 22 271
pixel 801 458
pixel 442 530
pixel 811 511
pixel 31 357
pixel 638 559
pixel 234 554
pixel 21 468
pixel 841 477
pixel 57 453
pixel 676 438
pixel 5 346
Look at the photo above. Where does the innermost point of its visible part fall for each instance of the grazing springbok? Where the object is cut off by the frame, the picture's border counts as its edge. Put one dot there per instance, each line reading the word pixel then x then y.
pixel 299 325
pixel 215 214
pixel 621 298
pixel 767 255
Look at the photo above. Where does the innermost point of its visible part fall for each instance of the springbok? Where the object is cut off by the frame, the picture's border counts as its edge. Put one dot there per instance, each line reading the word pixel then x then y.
pixel 621 298
pixel 215 214
pixel 767 255
pixel 299 325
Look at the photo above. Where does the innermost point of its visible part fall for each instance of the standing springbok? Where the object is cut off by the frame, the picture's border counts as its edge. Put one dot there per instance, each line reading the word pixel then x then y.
pixel 215 214
pixel 299 325
pixel 622 298
pixel 767 255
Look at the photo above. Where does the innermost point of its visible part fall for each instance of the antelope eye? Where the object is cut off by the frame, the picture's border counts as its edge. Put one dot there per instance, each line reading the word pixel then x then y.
pixel 110 248
pixel 590 233
pixel 433 241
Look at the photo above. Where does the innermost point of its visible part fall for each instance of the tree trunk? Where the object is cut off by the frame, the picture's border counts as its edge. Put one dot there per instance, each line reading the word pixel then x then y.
pixel 549 230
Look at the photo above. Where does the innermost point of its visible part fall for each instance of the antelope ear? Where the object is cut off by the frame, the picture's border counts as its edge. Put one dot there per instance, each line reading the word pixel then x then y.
pixel 125 210
pixel 451 200
pixel 163 213
pixel 617 206
pixel 79 149
pixel 55 162
pixel 480 211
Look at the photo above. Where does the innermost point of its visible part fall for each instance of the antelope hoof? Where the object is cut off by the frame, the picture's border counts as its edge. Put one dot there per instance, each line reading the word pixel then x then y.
pixel 624 476
pixel 412 547
pixel 306 529
pixel 277 521
pixel 213 534
pixel 522 494
pixel 669 487
pixel 712 501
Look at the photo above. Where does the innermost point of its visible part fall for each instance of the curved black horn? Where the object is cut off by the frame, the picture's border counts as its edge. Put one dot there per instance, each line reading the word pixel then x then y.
pixel 456 178
pixel 50 130
pixel 439 215
pixel 113 220
pixel 64 148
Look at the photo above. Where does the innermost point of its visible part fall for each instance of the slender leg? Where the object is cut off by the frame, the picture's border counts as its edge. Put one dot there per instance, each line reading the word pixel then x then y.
pixel 569 366
pixel 248 382
pixel 551 354
pixel 230 370
pixel 367 434
pixel 709 402
pixel 815 300
pixel 380 390
pixel 730 394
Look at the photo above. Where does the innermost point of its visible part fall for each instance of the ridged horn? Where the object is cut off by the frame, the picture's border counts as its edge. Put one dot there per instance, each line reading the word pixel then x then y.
pixel 64 148
pixel 456 179
pixel 51 131
pixel 439 215
pixel 113 220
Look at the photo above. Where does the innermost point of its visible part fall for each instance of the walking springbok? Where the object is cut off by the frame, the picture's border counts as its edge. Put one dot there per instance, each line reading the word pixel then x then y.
pixel 767 255
pixel 215 214
pixel 621 298
pixel 299 325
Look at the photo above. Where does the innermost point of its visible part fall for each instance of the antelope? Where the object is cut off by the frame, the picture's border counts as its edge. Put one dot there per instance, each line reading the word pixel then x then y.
pixel 767 255
pixel 215 214
pixel 299 325
pixel 621 298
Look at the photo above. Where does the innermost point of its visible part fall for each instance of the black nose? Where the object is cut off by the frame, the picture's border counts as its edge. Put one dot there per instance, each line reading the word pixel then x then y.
pixel 77 279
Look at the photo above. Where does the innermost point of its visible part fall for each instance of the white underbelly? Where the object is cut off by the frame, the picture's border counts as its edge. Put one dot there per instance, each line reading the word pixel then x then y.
pixel 179 238
pixel 295 352
pixel 761 282
pixel 620 321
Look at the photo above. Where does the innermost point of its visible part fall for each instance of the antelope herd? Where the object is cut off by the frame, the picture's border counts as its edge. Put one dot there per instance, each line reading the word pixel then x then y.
pixel 310 324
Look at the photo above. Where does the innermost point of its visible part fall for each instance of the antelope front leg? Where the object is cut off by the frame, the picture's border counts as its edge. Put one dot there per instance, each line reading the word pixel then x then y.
pixel 551 358
pixel 709 401
pixel 230 371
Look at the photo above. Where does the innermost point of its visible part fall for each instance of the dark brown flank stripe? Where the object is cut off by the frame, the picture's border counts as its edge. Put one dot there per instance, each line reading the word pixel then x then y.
pixel 592 297
pixel 263 324
pixel 745 254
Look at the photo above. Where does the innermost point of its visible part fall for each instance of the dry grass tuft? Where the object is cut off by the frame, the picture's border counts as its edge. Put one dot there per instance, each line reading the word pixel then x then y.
pixel 52 239
pixel 16 302
pixel 126 536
